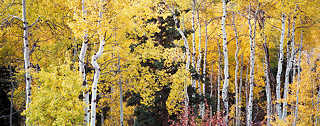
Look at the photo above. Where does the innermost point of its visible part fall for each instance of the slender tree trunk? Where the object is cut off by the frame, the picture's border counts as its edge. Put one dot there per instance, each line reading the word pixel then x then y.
pixel 252 62
pixel 266 73
pixel 199 65
pixel 313 105
pixel 226 62
pixel 219 77
pixel 193 42
pixel 186 45
pixel 26 53
pixel 82 56
pixel 211 92
pixel 318 101
pixel 11 96
pixel 236 70
pixel 246 88
pixel 199 49
pixel 121 95
pixel 299 78
pixel 240 90
pixel 288 69
pixel 280 62
pixel 204 68
pixel 96 67
pixel 102 119
pixel 121 90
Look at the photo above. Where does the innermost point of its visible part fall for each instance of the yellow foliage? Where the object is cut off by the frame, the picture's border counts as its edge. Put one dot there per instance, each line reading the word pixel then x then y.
pixel 55 97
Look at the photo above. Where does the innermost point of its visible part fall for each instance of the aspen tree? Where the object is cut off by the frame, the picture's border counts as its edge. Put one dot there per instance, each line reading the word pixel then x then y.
pixel 252 63
pixel 199 49
pixel 201 106
pixel 186 45
pixel 288 69
pixel 226 64
pixel 299 80
pixel 97 71
pixel 211 90
pixel 11 96
pixel 82 70
pixel 236 70
pixel 204 66
pixel 240 89
pixel 280 62
pixel 26 53
pixel 120 85
pixel 193 41
pixel 121 93
pixel 246 88
pixel 219 77
pixel 267 73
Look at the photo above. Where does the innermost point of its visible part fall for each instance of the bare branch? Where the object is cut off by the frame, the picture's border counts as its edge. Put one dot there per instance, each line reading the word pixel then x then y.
pixel 15 17
pixel 34 22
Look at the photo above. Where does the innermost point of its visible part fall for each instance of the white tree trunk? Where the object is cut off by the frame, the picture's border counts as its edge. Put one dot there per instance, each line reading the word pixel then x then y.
pixel 199 50
pixel 121 94
pixel 240 90
pixel 11 96
pixel 226 64
pixel 186 45
pixel 246 88
pixel 204 67
pixel 211 92
pixel 82 56
pixel 96 67
pixel 299 78
pixel 318 101
pixel 120 84
pixel 219 77
pixel 252 62
pixel 193 42
pixel 26 53
pixel 236 70
pixel 266 73
pixel 199 65
pixel 288 69
pixel 278 86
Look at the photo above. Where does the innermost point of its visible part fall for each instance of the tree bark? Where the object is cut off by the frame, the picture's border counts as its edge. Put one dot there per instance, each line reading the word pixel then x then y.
pixel 204 66
pixel 96 67
pixel 266 73
pixel 252 62
pixel 219 77
pixel 211 92
pixel 226 64
pixel 26 53
pixel 236 70
pixel 193 42
pixel 186 45
pixel 120 85
pixel 246 88
pixel 121 95
pixel 278 86
pixel 199 50
pixel 82 56
pixel 240 90
pixel 12 92
pixel 299 78
pixel 201 106
pixel 288 69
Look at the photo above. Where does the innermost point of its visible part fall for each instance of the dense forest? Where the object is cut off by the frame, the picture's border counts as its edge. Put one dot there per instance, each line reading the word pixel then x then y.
pixel 159 62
